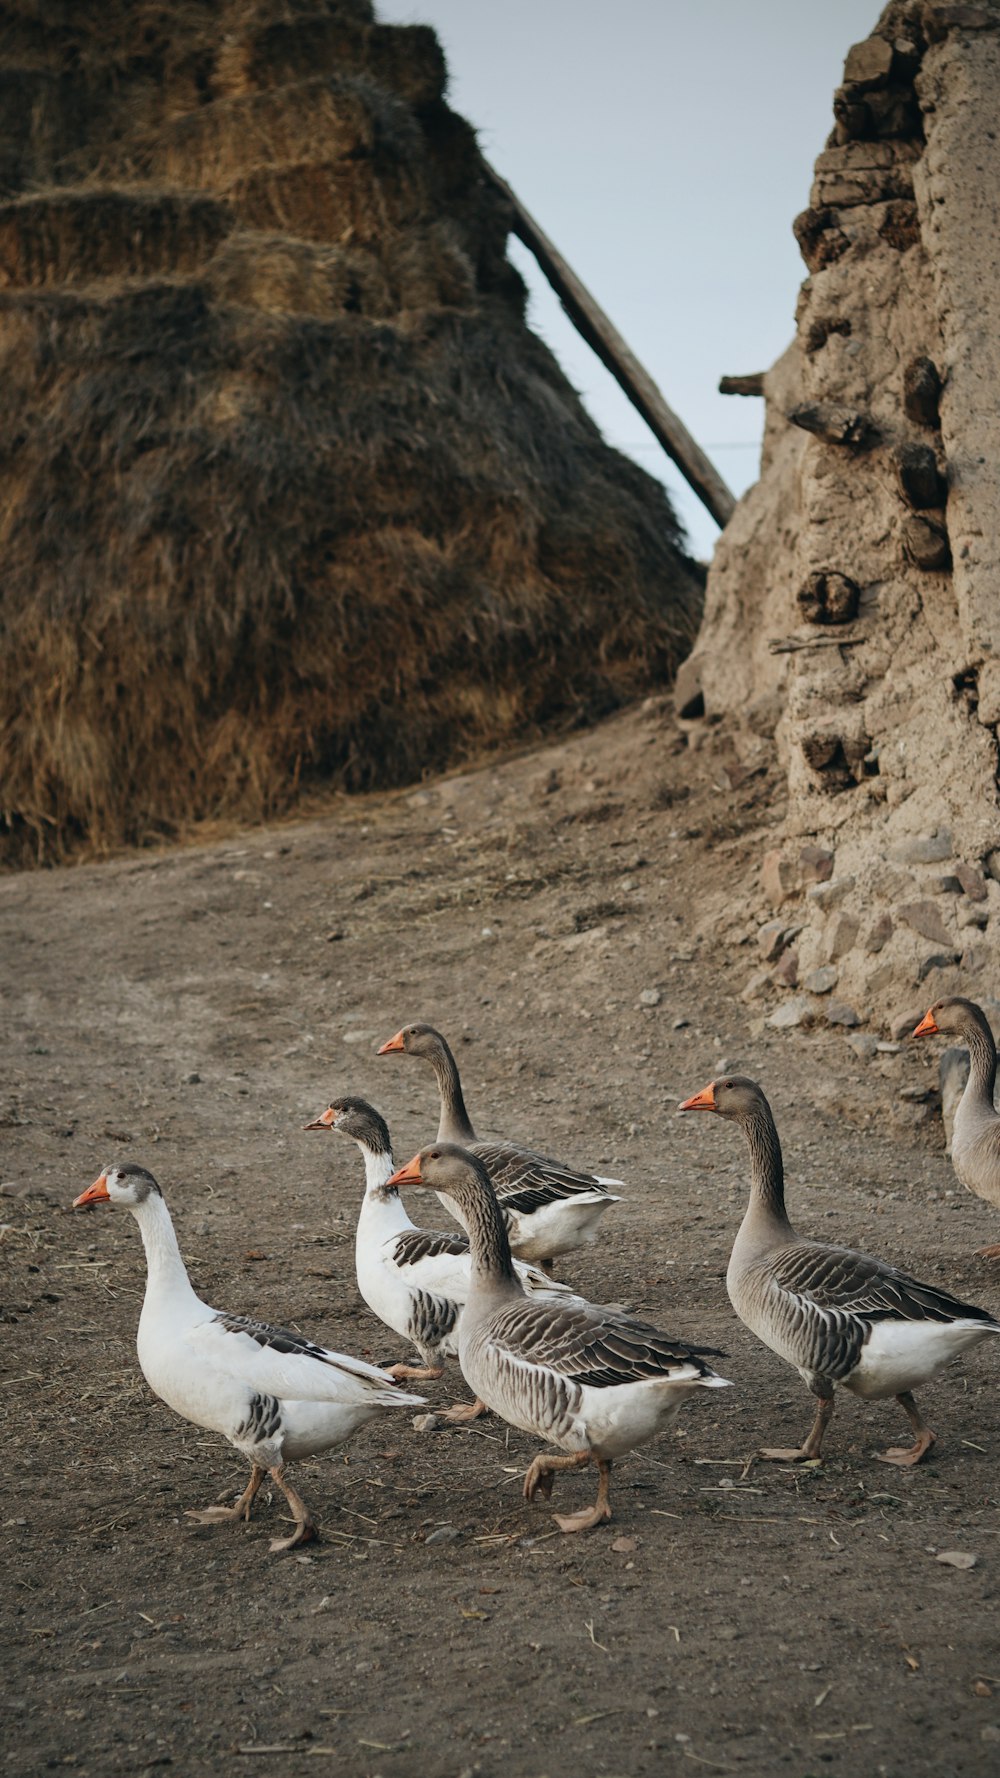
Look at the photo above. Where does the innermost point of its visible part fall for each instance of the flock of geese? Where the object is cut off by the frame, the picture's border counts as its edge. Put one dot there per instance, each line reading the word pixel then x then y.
pixel 592 1381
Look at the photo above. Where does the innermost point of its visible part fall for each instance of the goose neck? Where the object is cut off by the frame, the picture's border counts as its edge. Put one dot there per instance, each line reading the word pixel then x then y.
pixel 453 1122
pixel 378 1170
pixel 767 1175
pixel 166 1273
pixel 982 1058
pixel 489 1249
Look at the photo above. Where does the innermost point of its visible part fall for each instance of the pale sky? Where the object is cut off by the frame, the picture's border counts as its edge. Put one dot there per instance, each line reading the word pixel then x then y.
pixel 664 146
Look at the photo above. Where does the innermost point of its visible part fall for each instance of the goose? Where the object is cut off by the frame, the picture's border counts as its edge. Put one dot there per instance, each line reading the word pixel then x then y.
pixel 593 1381
pixel 413 1279
pixel 273 1394
pixel 548 1209
pixel 975 1140
pixel 835 1315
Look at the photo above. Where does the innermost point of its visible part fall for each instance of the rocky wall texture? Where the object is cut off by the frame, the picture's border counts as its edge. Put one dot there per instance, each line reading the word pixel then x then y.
pixel 852 615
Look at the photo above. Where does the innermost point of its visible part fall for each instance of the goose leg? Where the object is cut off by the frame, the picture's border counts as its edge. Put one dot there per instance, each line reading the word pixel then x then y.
pixel 813 1444
pixel 306 1529
pixel 464 1411
pixel 906 1455
pixel 221 1515
pixel 590 1515
pixel 538 1479
pixel 422 1372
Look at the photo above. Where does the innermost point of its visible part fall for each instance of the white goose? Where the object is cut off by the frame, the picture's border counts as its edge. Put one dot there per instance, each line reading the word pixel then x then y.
pixel 593 1381
pixel 413 1279
pixel 835 1315
pixel 548 1209
pixel 975 1141
pixel 271 1393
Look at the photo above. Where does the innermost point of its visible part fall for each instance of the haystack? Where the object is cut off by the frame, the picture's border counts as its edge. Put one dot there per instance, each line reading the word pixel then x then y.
pixel 291 493
pixel 852 619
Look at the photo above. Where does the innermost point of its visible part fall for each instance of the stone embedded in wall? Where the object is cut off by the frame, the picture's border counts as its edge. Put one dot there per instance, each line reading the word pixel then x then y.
pixel 834 423
pixel 828 598
pixel 931 848
pixel 843 937
pixel 822 980
pixel 779 877
pixel 900 225
pixel 879 934
pixel 836 758
pixel 868 64
pixel 925 543
pixel 828 895
pixel 918 477
pixel 922 392
pixel 820 238
pixel 816 864
pixel 972 881
pixel 925 918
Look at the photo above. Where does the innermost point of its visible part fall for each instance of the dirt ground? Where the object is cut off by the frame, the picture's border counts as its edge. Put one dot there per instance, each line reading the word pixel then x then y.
pixel 191 1010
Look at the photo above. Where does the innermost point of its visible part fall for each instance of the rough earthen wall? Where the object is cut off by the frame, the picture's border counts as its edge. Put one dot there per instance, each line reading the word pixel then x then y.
pixel 853 606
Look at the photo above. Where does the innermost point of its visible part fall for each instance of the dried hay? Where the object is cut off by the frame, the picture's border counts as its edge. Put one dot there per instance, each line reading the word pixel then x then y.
pixel 290 494
pixel 71 236
pixel 326 118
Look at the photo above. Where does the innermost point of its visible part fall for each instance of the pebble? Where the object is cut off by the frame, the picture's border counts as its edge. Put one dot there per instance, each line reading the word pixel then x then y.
pixel 650 997
pixel 681 1024
pixel 797 1011
pixel 443 1534
pixel 191 1080
pixel 864 1045
pixel 837 1012
pixel 820 981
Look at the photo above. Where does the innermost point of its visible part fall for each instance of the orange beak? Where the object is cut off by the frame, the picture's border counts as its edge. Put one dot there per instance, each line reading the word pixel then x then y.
pixel 926 1027
pixel 322 1123
pixel 703 1101
pixel 408 1175
pixel 394 1043
pixel 97 1193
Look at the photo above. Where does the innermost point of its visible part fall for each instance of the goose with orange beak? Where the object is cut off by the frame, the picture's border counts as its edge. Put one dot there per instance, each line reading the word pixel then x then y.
pixel 835 1315
pixel 415 1280
pixel 548 1209
pixel 592 1381
pixel 975 1139
pixel 273 1394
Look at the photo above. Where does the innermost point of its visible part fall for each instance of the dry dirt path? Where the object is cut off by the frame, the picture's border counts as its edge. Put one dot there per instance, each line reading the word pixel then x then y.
pixel 191 1010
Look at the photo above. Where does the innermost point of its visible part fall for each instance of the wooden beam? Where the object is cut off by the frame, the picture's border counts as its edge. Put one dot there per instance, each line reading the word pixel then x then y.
pixel 751 385
pixel 593 324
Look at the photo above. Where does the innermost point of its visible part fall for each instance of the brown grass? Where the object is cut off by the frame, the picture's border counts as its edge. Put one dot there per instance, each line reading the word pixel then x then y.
pixel 292 497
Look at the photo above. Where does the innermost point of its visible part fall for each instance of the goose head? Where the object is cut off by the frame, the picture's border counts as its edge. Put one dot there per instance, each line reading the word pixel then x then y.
pixel 357 1119
pixel 414 1040
pixel 952 1016
pixel 128 1185
pixel 733 1095
pixel 444 1167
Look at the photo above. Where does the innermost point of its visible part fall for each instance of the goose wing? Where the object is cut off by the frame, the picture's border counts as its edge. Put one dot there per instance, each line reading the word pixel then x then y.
pixel 277 1361
pixel 595 1346
pixel 525 1181
pixel 840 1280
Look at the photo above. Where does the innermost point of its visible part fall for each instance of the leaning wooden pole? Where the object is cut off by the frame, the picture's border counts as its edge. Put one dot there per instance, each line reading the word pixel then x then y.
pixel 590 320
